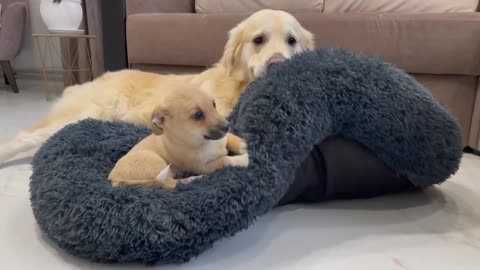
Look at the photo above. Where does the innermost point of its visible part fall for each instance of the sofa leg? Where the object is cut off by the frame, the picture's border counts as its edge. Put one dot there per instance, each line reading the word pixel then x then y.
pixel 5 78
pixel 472 151
pixel 8 75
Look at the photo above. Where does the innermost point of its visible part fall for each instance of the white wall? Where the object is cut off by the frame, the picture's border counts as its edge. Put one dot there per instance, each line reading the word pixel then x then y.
pixel 28 59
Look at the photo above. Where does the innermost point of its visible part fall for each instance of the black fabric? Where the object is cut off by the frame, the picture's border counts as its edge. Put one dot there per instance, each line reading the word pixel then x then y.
pixel 340 168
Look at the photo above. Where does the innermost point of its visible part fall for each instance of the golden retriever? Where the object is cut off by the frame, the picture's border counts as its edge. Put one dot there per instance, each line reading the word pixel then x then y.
pixel 265 38
pixel 189 135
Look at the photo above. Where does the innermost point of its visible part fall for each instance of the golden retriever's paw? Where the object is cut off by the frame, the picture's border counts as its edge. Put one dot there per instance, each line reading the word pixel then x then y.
pixel 238 161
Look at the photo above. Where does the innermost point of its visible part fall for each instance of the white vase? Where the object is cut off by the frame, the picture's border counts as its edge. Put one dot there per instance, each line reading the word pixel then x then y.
pixel 65 16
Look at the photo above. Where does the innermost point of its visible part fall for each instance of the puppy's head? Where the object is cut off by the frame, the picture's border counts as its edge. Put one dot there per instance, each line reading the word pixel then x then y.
pixel 188 115
pixel 266 38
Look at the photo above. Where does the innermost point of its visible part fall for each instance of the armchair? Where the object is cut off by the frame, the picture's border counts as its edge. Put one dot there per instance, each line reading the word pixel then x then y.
pixel 12 28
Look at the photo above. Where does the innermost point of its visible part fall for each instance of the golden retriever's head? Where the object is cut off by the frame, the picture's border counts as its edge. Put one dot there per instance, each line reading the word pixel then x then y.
pixel 266 38
pixel 188 116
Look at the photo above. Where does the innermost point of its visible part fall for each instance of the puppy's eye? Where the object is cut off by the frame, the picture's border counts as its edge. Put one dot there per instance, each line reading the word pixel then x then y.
pixel 258 40
pixel 198 116
pixel 214 104
pixel 291 41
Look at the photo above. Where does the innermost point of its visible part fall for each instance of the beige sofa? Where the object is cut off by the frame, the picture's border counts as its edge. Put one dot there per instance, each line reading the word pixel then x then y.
pixel 438 41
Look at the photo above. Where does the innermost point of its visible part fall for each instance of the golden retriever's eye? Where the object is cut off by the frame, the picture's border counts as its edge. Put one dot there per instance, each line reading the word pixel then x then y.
pixel 214 104
pixel 198 116
pixel 259 40
pixel 291 41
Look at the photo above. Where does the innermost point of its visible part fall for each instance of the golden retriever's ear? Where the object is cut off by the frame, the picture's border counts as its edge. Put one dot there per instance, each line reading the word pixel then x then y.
pixel 231 56
pixel 159 116
pixel 308 40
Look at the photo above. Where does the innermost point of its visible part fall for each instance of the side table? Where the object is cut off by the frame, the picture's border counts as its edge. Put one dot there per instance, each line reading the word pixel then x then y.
pixel 67 54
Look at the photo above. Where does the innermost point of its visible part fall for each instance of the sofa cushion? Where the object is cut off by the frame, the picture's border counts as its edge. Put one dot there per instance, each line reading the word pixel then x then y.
pixel 229 6
pixel 156 6
pixel 446 43
pixel 401 6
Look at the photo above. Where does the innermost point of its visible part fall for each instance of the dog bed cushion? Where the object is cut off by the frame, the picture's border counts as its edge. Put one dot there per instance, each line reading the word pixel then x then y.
pixel 283 116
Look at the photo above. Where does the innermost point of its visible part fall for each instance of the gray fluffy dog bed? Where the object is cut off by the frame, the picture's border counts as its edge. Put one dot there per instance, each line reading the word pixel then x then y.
pixel 283 116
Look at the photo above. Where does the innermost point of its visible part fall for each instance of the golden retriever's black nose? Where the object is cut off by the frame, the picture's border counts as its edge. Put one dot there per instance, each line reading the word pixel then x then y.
pixel 275 59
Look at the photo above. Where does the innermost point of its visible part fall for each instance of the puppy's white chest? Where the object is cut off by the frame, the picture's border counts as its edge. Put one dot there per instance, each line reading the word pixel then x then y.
pixel 213 150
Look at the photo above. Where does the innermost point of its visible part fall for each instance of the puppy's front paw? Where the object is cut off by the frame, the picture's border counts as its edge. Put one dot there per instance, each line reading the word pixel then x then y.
pixel 243 148
pixel 196 177
pixel 190 179
pixel 238 161
pixel 185 181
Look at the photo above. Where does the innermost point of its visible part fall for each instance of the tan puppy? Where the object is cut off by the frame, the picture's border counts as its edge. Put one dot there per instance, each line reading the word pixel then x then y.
pixel 189 135
pixel 265 38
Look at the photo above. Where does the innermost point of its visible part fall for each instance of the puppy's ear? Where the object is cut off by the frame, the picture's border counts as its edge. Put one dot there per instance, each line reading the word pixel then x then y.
pixel 159 116
pixel 308 40
pixel 232 53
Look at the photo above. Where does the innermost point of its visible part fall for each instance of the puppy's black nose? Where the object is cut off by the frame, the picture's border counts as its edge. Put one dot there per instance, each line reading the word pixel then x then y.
pixel 224 126
pixel 218 131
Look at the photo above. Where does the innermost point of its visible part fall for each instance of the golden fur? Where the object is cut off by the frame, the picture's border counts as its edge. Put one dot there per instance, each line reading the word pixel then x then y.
pixel 189 135
pixel 131 95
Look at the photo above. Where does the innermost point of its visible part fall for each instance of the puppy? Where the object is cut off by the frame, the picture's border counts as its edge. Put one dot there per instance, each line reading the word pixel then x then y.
pixel 189 135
